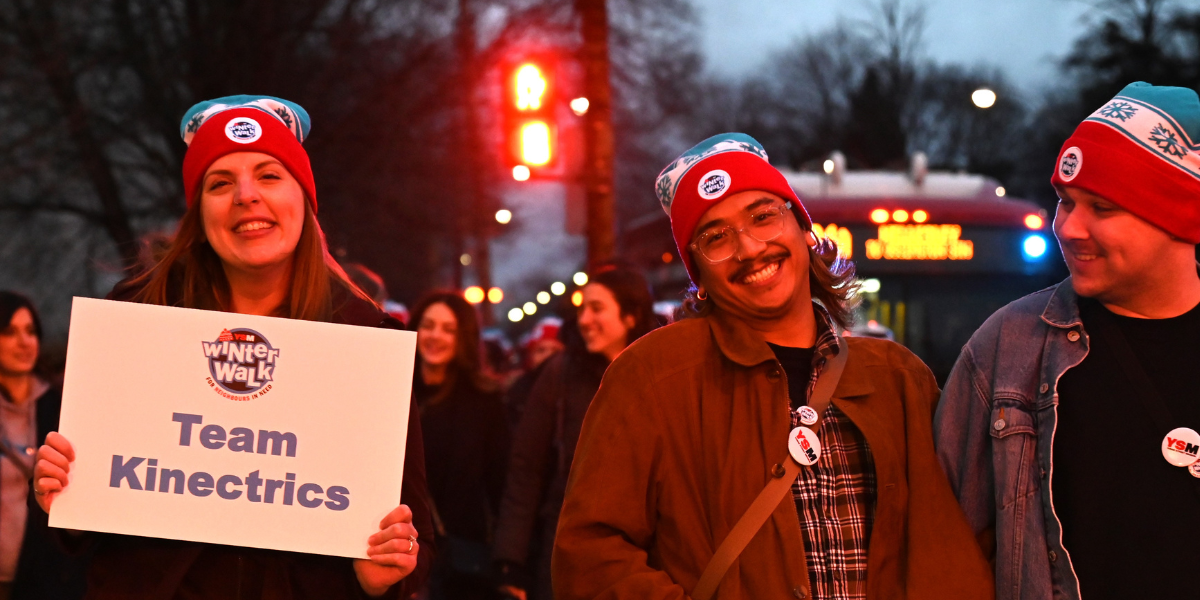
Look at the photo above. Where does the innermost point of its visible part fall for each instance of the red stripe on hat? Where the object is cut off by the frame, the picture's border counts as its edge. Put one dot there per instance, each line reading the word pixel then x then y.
pixel 1133 177
pixel 746 171
pixel 212 142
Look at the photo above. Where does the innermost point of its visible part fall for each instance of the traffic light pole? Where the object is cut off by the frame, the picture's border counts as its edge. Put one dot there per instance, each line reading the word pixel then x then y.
pixel 480 201
pixel 598 131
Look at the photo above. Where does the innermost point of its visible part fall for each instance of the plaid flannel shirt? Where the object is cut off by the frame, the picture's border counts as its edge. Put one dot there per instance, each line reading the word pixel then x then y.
pixel 835 497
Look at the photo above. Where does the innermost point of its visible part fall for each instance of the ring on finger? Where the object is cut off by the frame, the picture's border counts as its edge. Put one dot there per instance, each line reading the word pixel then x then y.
pixel 412 543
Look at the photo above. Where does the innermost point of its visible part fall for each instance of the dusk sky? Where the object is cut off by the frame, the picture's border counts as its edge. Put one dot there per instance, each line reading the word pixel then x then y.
pixel 1023 37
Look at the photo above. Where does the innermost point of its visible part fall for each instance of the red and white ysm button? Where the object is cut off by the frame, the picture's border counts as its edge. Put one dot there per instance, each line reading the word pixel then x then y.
pixel 1181 447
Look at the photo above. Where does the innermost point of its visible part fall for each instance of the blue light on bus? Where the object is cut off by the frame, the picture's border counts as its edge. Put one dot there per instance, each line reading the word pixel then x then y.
pixel 1034 247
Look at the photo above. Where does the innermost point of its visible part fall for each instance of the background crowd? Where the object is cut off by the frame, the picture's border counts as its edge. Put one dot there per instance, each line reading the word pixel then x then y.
pixel 499 426
pixel 91 171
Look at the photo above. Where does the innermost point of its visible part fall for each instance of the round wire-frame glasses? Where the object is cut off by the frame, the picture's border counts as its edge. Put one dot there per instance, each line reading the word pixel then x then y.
pixel 721 244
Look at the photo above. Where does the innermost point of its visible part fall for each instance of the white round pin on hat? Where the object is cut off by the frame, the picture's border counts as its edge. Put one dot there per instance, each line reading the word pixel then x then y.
pixel 243 130
pixel 714 184
pixel 1195 469
pixel 804 446
pixel 808 416
pixel 1181 447
pixel 1070 163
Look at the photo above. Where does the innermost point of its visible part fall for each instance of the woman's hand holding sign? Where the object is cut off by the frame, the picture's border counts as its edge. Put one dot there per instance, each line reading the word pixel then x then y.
pixel 393 553
pixel 393 550
pixel 54 460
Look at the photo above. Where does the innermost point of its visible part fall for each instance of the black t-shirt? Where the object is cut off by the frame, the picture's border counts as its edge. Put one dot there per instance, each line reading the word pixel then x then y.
pixel 797 364
pixel 1131 520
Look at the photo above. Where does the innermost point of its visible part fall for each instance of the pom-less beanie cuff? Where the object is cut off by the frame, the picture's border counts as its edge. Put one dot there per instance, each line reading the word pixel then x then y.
pixel 245 124
pixel 1137 151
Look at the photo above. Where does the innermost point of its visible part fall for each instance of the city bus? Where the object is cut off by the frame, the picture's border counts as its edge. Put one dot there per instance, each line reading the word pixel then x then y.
pixel 937 252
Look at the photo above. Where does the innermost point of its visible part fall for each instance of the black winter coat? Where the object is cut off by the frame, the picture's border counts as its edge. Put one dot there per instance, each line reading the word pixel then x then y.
pixel 466 449
pixel 543 448
pixel 45 571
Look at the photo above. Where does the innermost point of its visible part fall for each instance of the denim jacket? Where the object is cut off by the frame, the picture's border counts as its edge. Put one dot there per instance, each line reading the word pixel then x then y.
pixel 994 431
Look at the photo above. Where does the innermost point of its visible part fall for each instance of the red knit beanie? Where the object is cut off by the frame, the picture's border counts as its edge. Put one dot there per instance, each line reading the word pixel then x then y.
pixel 272 126
pixel 711 171
pixel 1138 151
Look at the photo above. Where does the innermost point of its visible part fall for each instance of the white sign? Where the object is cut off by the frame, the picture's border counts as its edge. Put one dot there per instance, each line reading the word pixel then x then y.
pixel 233 429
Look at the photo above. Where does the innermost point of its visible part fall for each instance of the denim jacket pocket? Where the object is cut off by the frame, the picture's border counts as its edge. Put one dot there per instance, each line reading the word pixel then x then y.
pixel 1014 450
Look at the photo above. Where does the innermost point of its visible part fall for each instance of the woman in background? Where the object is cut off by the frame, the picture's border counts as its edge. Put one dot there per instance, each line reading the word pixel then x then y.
pixel 466 443
pixel 617 309
pixel 31 563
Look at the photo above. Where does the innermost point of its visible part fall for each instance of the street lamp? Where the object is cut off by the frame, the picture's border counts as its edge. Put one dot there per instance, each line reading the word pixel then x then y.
pixel 983 98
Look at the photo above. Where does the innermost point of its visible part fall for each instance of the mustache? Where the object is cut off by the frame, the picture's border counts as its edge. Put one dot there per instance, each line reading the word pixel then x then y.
pixel 751 266
pixel 1081 248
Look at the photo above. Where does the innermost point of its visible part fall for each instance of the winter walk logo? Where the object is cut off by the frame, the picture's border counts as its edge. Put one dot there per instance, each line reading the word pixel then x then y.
pixel 1070 163
pixel 241 364
pixel 713 184
pixel 243 130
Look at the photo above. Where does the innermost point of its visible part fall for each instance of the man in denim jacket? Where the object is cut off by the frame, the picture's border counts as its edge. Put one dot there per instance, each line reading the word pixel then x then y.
pixel 1046 433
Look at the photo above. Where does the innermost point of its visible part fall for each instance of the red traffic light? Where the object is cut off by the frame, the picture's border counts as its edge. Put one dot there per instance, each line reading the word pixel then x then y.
pixel 535 144
pixel 529 111
pixel 529 87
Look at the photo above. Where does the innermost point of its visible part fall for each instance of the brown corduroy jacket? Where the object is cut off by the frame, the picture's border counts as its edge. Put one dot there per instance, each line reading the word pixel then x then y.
pixel 683 435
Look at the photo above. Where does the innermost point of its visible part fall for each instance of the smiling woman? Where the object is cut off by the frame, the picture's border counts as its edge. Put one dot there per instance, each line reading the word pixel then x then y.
pixel 250 243
pixel 31 564
pixel 467 445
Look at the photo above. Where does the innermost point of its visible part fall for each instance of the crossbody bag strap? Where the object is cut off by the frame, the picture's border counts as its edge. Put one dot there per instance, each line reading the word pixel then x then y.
pixel 1155 406
pixel 775 491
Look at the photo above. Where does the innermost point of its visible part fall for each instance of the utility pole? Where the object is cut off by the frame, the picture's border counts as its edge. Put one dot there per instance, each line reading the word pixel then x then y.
pixel 598 131
pixel 480 204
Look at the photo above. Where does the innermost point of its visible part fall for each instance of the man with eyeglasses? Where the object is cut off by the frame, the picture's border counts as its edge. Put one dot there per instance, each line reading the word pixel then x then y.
pixel 751 451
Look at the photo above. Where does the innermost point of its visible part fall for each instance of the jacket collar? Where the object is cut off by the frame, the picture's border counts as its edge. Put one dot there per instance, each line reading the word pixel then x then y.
pixel 737 342
pixel 36 389
pixel 745 346
pixel 1062 310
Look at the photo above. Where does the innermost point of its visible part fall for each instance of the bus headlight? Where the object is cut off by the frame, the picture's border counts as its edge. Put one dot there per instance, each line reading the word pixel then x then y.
pixel 1034 247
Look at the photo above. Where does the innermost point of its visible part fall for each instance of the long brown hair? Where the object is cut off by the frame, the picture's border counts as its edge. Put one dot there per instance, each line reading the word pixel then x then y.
pixel 831 281
pixel 466 368
pixel 190 274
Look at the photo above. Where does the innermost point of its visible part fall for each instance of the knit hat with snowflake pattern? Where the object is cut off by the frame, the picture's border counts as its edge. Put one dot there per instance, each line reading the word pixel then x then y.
pixel 265 124
pixel 1140 151
pixel 711 171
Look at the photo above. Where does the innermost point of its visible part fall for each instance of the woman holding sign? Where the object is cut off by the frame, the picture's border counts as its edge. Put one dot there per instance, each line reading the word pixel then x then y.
pixel 250 243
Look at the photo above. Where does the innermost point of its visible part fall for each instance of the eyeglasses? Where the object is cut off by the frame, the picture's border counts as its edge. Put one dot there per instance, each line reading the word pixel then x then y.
pixel 720 245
